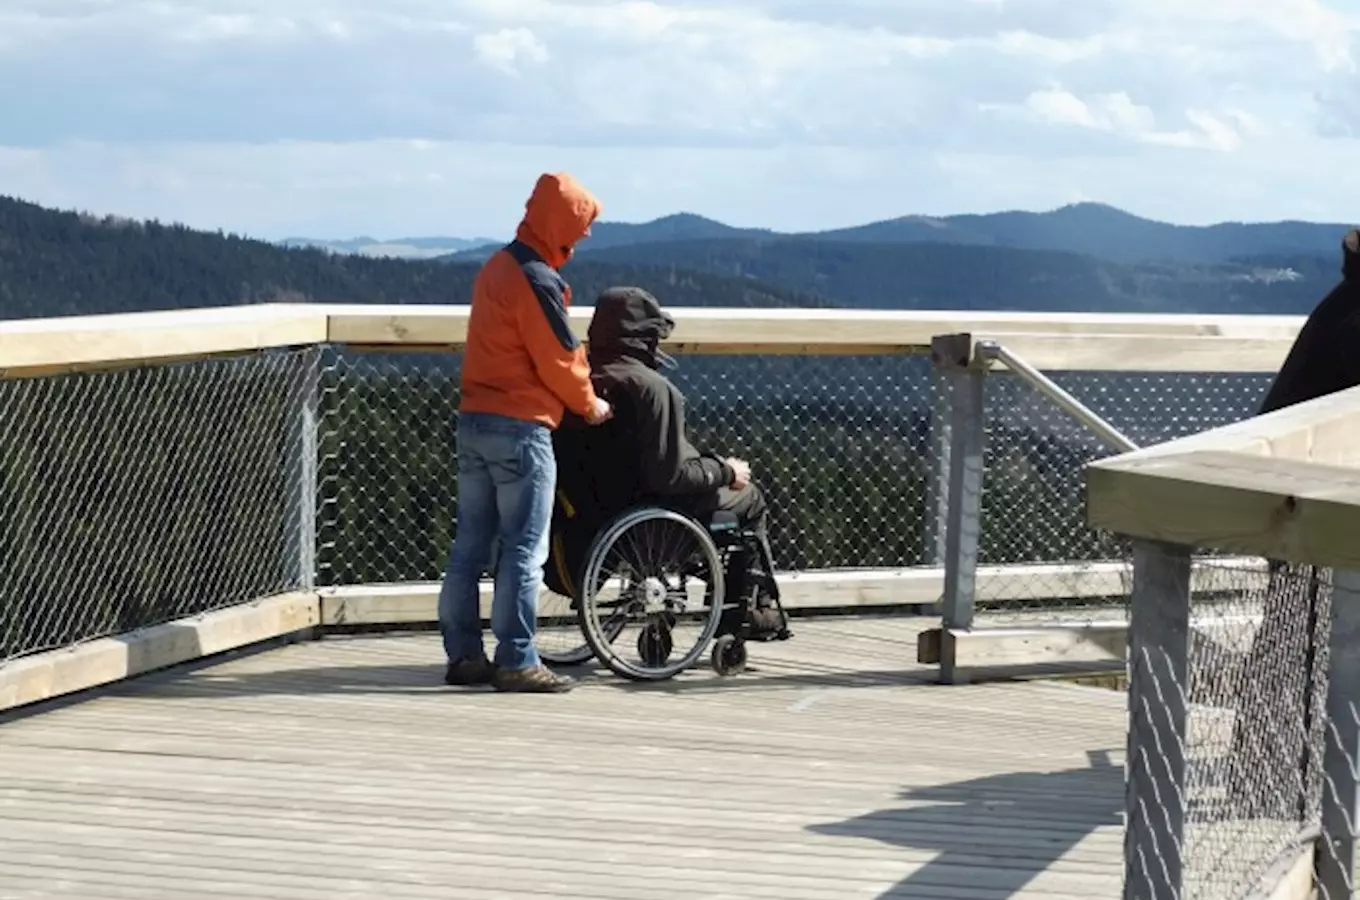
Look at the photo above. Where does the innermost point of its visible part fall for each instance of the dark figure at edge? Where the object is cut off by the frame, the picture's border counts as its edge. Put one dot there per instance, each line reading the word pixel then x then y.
pixel 1276 721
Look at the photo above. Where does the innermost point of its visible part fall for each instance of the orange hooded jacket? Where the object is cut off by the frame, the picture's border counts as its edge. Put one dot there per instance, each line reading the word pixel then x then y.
pixel 522 359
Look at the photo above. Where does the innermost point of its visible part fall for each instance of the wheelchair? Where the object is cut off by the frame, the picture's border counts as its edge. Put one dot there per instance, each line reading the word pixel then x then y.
pixel 692 588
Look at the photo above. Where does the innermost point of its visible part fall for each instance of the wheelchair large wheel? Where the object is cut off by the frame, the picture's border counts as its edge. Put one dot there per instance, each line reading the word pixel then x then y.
pixel 659 572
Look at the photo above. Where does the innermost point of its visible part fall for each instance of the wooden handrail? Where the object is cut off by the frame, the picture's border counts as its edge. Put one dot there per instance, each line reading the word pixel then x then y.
pixel 1050 341
pixel 1285 485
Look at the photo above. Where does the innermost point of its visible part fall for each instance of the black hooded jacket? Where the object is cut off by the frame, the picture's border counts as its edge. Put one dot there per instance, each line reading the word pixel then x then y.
pixel 643 451
pixel 1325 357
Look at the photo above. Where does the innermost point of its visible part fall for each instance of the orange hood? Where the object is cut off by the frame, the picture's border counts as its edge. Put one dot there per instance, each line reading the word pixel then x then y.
pixel 559 213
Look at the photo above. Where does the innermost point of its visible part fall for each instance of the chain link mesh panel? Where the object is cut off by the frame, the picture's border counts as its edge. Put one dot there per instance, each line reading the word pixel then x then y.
pixel 388 471
pixel 1258 647
pixel 1033 492
pixel 135 497
pixel 1339 829
pixel 1253 693
pixel 839 444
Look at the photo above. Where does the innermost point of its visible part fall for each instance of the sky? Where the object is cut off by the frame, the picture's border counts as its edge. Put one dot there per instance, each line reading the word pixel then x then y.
pixel 334 118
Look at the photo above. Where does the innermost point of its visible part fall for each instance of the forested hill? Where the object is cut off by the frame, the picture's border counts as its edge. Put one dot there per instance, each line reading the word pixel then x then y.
pixel 65 263
pixel 959 276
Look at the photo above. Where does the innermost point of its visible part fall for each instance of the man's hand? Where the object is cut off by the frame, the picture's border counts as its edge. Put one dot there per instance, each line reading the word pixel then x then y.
pixel 741 472
pixel 600 411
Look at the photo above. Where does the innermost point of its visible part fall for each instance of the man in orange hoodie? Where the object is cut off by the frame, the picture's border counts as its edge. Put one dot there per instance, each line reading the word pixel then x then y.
pixel 522 367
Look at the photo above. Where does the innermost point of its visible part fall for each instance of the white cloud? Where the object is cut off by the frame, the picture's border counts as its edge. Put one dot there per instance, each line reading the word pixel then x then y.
pixel 1217 133
pixel 1118 115
pixel 1051 50
pixel 1115 113
pixel 863 104
pixel 507 48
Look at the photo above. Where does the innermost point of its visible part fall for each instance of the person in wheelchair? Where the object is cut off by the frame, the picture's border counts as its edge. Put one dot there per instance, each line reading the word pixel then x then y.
pixel 644 456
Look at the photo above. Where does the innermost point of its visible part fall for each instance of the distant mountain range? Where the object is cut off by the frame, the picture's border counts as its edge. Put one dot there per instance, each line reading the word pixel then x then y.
pixel 1085 257
pixel 1079 257
pixel 398 248
pixel 1089 229
pixel 959 276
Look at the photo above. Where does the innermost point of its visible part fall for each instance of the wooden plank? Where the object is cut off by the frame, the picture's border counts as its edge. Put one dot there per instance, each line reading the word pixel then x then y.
pixel 1258 506
pixel 1090 342
pixel 1324 430
pixel 439 324
pixel 313 771
pixel 416 602
pixel 43 676
pixel 1143 352
pixel 45 346
pixel 1071 341
pixel 1059 644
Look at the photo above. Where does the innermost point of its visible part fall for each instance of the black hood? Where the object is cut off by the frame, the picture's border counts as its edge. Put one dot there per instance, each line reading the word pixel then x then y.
pixel 1350 256
pixel 628 321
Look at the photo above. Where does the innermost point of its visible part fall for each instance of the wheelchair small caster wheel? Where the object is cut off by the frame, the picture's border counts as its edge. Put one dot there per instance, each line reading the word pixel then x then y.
pixel 729 655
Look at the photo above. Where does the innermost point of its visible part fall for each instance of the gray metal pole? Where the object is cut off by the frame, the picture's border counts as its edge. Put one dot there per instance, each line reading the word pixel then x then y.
pixel 1334 865
pixel 1050 389
pixel 933 524
pixel 307 478
pixel 952 354
pixel 1159 649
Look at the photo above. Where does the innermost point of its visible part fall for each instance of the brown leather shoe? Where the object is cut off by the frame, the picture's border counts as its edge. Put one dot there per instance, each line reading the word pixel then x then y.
pixel 472 671
pixel 533 680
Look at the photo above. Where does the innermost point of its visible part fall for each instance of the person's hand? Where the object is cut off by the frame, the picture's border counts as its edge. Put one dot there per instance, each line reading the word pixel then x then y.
pixel 600 411
pixel 741 472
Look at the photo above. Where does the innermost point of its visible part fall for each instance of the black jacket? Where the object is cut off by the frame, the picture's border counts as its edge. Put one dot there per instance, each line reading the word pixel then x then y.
pixel 643 452
pixel 1325 357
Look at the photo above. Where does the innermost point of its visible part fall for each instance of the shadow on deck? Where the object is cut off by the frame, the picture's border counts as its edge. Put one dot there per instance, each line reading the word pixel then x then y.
pixel 344 768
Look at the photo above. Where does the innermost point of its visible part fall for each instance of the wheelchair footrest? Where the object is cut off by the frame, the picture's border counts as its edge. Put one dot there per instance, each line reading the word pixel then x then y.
pixel 765 637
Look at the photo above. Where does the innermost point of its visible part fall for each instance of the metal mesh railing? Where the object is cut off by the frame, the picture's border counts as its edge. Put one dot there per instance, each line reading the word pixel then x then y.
pixel 1257 660
pixel 844 447
pixel 1229 726
pixel 1033 507
pixel 839 444
pixel 387 471
pixel 134 497
pixel 848 449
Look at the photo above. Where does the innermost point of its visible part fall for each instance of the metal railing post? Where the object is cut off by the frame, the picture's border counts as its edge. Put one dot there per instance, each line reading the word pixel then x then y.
pixel 933 528
pixel 1159 650
pixel 1334 863
pixel 307 474
pixel 952 355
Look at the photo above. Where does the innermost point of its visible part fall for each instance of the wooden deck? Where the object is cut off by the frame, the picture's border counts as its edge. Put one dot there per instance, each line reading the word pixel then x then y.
pixel 345 769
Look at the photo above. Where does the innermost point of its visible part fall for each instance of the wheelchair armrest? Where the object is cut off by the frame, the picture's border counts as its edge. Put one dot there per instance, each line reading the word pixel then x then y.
pixel 723 521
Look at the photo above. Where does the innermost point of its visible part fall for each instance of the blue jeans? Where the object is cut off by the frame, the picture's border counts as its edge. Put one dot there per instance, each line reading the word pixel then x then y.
pixel 506 478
